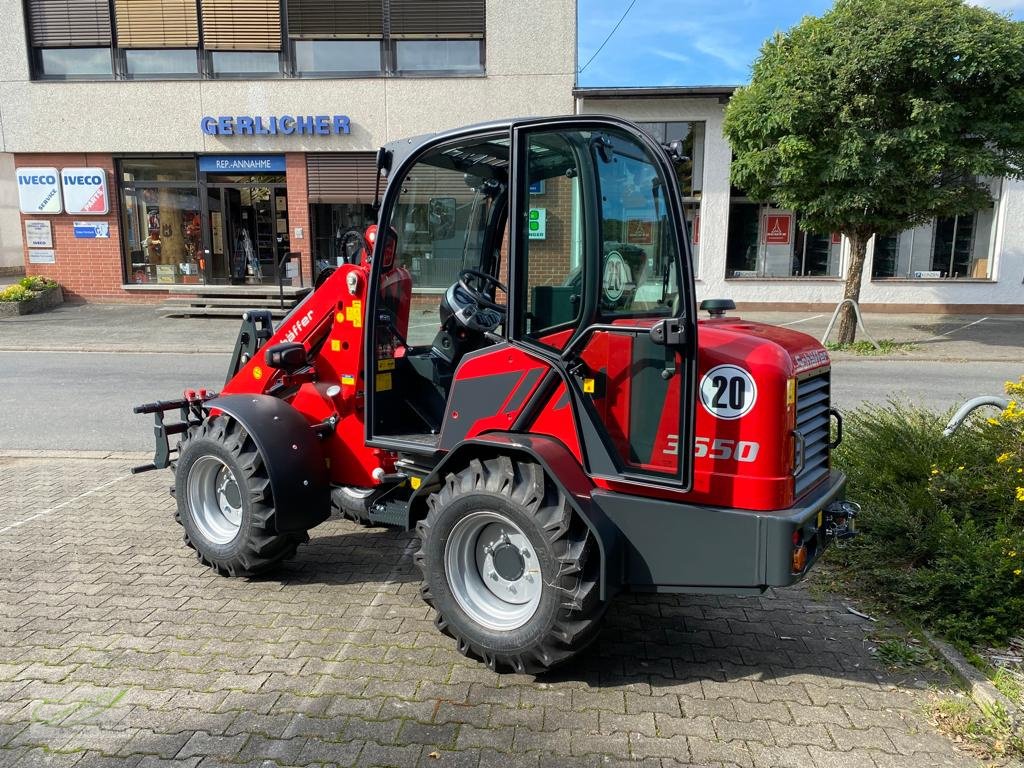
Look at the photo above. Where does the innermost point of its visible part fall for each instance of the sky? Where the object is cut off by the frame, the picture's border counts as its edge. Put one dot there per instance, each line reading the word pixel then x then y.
pixel 691 42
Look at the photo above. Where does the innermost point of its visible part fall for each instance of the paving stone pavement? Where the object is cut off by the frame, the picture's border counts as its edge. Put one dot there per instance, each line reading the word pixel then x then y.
pixel 118 649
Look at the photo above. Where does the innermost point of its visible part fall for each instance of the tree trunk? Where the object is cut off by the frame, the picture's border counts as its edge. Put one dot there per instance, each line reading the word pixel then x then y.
pixel 847 318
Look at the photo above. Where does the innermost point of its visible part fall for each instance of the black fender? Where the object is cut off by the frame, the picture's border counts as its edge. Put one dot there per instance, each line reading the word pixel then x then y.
pixel 292 454
pixel 560 466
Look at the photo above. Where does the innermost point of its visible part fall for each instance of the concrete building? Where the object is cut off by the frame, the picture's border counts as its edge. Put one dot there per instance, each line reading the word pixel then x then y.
pixel 226 133
pixel 759 255
pixel 176 144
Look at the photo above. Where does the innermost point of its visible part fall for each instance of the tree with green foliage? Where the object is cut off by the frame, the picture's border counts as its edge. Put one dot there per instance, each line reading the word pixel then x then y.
pixel 879 116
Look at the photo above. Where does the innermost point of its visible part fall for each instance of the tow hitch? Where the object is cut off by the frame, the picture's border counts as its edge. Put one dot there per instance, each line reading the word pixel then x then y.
pixel 839 520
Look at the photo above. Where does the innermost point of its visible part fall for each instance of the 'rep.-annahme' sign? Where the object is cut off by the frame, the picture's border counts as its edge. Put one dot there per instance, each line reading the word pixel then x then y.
pixel 39 190
pixel 85 190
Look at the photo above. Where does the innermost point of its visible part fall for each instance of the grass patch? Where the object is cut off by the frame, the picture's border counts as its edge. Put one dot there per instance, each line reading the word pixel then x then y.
pixel 898 653
pixel 942 524
pixel 867 349
pixel 987 734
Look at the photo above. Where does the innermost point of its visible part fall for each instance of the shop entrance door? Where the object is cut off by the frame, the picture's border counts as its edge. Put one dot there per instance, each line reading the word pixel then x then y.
pixel 245 228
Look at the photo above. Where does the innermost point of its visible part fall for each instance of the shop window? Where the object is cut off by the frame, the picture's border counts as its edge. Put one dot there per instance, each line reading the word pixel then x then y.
pixel 950 248
pixel 245 62
pixel 768 242
pixel 438 56
pixel 159 169
pixel 75 62
pixel 327 56
pixel 161 62
pixel 162 233
pixel 337 230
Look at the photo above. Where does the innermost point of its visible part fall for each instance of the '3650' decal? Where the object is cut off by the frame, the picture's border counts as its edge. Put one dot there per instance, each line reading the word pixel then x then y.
pixel 718 449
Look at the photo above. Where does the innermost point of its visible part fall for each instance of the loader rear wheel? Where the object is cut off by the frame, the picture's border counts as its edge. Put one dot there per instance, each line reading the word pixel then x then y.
pixel 509 568
pixel 225 502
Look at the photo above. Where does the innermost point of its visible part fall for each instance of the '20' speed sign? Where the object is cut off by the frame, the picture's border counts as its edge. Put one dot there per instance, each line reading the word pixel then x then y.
pixel 728 392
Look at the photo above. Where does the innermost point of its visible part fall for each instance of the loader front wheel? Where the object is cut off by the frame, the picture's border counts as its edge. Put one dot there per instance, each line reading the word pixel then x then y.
pixel 225 501
pixel 509 568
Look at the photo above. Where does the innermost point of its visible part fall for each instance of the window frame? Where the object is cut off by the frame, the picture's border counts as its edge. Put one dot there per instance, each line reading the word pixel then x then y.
pixel 287 65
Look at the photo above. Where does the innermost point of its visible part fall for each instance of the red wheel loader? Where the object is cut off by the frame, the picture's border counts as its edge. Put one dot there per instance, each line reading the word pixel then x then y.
pixel 556 424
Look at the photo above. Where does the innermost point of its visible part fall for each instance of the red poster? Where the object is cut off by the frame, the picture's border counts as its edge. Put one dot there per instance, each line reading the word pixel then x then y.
pixel 837 238
pixel 696 230
pixel 776 228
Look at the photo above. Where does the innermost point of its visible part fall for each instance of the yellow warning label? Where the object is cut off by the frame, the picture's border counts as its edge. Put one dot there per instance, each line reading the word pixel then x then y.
pixel 354 313
pixel 821 517
pixel 790 391
pixel 257 373
pixel 383 382
pixel 387 364
pixel 348 380
pixel 588 386
pixel 335 345
pixel 415 482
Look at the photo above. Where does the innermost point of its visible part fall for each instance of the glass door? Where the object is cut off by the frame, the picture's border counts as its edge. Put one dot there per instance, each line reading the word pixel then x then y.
pixel 246 229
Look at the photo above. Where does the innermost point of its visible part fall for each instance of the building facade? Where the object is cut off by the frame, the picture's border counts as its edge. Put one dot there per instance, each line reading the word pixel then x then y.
pixel 759 255
pixel 188 142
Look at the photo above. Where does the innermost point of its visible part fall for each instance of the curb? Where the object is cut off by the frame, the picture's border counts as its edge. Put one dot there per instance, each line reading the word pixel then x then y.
pixel 980 688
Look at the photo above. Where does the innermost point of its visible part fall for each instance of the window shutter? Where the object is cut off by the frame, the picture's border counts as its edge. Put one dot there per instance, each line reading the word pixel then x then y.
pixel 437 18
pixel 348 177
pixel 69 23
pixel 333 19
pixel 156 23
pixel 242 25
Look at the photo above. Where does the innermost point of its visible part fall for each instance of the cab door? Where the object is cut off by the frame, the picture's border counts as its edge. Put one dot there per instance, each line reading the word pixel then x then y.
pixel 604 290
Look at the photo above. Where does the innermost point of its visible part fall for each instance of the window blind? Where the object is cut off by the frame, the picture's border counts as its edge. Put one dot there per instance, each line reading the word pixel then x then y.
pixel 332 19
pixel 242 25
pixel 342 178
pixel 69 23
pixel 156 23
pixel 437 18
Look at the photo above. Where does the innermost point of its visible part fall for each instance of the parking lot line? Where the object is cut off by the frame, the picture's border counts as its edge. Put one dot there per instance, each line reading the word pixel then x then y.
pixel 63 504
pixel 802 320
pixel 958 328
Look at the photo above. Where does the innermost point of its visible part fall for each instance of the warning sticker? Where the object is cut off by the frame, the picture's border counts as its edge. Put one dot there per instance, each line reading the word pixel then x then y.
pixel 387 364
pixel 383 382
pixel 354 313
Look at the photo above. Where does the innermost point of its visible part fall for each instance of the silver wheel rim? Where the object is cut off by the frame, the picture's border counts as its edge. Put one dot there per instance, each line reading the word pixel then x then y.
pixel 493 571
pixel 215 499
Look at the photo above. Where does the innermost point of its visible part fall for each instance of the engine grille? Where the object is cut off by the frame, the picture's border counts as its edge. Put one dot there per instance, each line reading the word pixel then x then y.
pixel 813 396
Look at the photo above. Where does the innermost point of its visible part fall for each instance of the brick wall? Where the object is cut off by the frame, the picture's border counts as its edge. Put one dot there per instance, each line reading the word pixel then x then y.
pixel 85 268
pixel 549 259
pixel 298 211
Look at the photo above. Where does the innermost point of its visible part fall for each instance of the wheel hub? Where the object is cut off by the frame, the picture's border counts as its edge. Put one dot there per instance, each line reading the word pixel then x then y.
pixel 508 563
pixel 493 570
pixel 214 499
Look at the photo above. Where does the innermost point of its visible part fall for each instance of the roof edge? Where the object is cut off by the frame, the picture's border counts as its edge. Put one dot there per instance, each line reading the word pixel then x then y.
pixel 657 92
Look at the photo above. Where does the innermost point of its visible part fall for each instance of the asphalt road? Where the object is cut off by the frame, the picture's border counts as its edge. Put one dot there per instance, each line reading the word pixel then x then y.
pixel 83 401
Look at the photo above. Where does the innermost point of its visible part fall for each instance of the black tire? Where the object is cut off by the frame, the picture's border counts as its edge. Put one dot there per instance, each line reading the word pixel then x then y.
pixel 568 614
pixel 353 503
pixel 256 547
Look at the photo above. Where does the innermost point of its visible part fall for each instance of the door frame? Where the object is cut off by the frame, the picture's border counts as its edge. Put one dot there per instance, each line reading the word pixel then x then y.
pixel 600 457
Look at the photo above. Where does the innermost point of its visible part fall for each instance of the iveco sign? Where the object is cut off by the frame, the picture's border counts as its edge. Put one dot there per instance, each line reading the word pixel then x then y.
pixel 85 190
pixel 39 190
pixel 275 125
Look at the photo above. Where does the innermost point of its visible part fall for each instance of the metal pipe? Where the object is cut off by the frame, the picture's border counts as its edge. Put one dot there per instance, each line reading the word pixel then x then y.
pixel 860 322
pixel 1002 403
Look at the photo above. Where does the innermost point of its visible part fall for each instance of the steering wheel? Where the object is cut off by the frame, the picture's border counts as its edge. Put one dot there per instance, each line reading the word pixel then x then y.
pixel 475 282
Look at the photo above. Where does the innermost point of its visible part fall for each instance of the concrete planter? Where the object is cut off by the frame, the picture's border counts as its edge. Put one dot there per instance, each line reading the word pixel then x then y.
pixel 47 299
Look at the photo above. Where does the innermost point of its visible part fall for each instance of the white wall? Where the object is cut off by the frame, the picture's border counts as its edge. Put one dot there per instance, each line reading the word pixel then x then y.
pixel 10 221
pixel 530 60
pixel 1005 288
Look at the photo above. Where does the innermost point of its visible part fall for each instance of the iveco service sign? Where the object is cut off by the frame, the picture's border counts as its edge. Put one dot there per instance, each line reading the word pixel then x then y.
pixel 85 190
pixel 39 190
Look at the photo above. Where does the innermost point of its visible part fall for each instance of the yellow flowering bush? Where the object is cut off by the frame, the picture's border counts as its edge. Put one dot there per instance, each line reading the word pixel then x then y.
pixel 943 521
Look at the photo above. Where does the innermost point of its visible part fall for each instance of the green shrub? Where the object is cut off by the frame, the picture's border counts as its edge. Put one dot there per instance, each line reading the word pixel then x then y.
pixel 943 518
pixel 36 283
pixel 17 292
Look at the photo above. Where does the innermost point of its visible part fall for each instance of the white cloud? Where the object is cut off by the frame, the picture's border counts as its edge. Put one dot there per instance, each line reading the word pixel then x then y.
pixel 671 55
pixel 738 61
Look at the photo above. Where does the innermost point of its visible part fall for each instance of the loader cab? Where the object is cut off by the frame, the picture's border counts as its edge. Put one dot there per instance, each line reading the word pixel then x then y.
pixel 583 284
